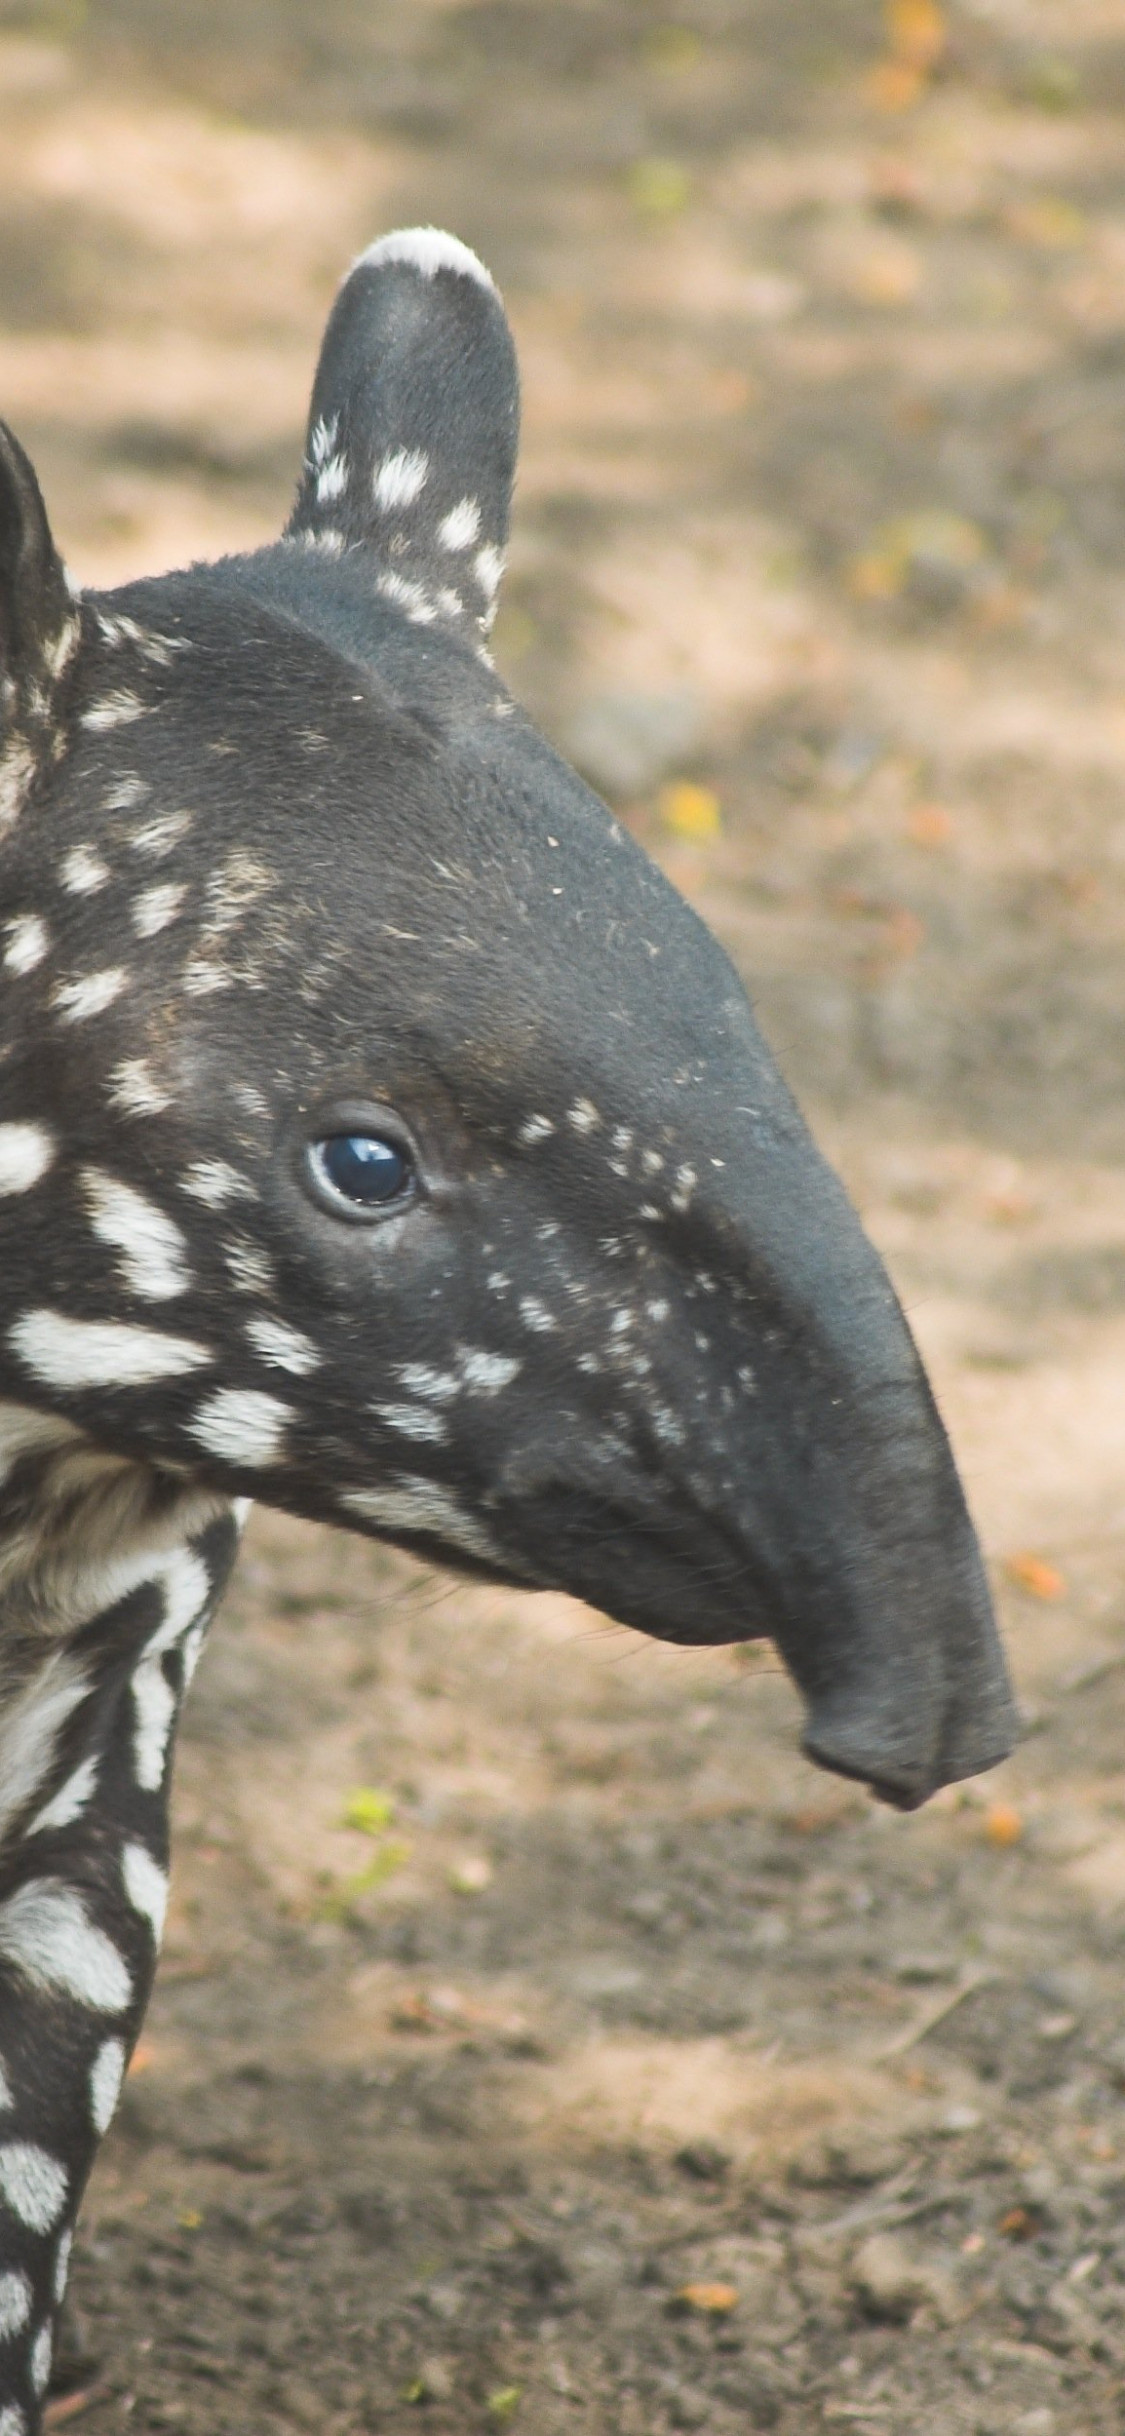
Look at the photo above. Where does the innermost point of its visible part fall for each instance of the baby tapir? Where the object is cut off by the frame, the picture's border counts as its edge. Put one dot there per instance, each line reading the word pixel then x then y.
pixel 382 1137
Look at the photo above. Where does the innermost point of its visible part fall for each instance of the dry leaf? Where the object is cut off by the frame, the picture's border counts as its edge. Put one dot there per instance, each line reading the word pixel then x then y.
pixel 1034 1575
pixel 690 811
pixel 712 2299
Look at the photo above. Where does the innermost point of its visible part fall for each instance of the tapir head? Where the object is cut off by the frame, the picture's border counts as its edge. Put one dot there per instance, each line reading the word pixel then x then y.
pixel 383 1137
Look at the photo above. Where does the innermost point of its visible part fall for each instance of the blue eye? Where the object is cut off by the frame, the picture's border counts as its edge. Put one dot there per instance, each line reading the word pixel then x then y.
pixel 363 1169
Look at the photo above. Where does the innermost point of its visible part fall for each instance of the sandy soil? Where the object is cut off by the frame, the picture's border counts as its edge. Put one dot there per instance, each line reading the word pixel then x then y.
pixel 616 2073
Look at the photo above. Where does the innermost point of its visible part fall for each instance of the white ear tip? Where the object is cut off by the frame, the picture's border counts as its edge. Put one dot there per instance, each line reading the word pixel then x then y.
pixel 426 250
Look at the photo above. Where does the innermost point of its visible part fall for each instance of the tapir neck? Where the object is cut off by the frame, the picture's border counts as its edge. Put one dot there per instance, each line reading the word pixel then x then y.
pixel 109 1574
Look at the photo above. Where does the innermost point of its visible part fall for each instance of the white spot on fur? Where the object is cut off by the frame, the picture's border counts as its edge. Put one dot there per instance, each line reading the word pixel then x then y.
pixel 114 710
pixel 156 838
pixel 153 1252
pixel 535 1129
pixel 488 567
pixel 134 1089
pixel 440 1386
pixel 536 1316
pixel 70 1801
pixel 34 2185
pixel 685 1184
pixel 583 1117
pixel 28 942
pixel 15 2303
pixel 427 250
pixel 83 872
pixel 46 1932
pixel 488 1373
pixel 411 1421
pixel 39 2366
pixel 26 1152
pixel 12 2421
pixel 419 1505
pixel 17 769
pixel 242 1426
pixel 322 440
pixel 62 646
pixel 155 908
pixel 107 2072
pixel 215 1182
pixel 146 1885
pixel 187 1590
pixel 400 477
pixel 460 528
pixel 332 480
pixel 62 2263
pixel 77 1000
pixel 249 1268
pixel 283 1347
pixel 411 597
pixel 71 1353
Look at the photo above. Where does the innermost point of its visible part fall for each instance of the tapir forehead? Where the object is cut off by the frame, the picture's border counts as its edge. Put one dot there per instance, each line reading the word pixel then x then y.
pixel 371 839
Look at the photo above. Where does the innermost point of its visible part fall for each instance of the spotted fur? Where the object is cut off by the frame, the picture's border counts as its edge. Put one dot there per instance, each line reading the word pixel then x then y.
pixel 279 858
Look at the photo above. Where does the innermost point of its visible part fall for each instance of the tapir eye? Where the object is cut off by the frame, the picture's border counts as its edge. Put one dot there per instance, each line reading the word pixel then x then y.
pixel 361 1173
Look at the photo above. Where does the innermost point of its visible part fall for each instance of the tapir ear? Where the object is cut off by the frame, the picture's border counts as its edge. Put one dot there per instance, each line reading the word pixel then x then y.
pixel 411 447
pixel 39 628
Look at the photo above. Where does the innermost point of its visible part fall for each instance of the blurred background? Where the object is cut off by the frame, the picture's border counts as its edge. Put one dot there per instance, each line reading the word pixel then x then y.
pixel 540 2042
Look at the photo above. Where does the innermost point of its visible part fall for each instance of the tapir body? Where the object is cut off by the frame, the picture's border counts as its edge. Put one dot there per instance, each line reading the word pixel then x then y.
pixel 383 1138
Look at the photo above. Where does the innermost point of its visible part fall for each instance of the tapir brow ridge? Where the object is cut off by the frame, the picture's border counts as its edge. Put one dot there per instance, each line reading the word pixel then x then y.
pixel 382 1138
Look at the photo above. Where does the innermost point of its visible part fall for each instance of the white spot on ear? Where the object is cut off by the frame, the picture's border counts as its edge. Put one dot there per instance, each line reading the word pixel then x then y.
pixel 214 1182
pixel 62 2263
pixel 583 1116
pixel 15 2303
pixel 410 1504
pixel 71 1353
pixel 83 872
pixel 156 838
pixel 283 1347
pixel 427 250
pixel 34 2185
pixel 535 1129
pixel 399 477
pixel 27 943
pixel 76 1000
pixel 322 440
pixel 487 1373
pixel 114 710
pixel 146 1885
pixel 488 567
pixel 39 2366
pixel 107 2073
pixel 242 1426
pixel 134 1089
pixel 154 908
pixel 153 1251
pixel 46 1932
pixel 70 1801
pixel 461 527
pixel 332 480
pixel 26 1152
pixel 407 595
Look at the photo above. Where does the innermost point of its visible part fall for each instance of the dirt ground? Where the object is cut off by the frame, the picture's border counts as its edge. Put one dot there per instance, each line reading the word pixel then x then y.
pixel 612 2072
